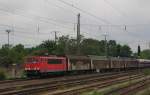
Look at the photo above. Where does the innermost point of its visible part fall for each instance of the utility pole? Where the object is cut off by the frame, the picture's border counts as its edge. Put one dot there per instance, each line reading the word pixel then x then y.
pixel 106 46
pixel 8 31
pixel 38 29
pixel 37 32
pixel 55 36
pixel 78 34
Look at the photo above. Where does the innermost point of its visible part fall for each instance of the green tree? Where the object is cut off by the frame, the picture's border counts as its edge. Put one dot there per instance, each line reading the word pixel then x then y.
pixel 139 50
pixel 125 51
pixel 63 45
pixel 48 45
pixel 5 55
pixel 118 52
pixel 145 54
pixel 72 46
pixel 102 44
pixel 90 47
pixel 18 53
pixel 112 48
pixel 12 55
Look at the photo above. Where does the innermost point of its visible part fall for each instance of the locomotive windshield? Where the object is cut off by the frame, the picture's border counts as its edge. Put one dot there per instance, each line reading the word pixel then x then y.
pixel 54 61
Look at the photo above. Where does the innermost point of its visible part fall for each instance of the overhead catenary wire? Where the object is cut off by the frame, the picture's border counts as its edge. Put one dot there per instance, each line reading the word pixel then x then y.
pixel 62 8
pixel 41 19
pixel 70 28
pixel 86 12
pixel 115 8
pixel 63 22
pixel 29 37
pixel 75 23
pixel 5 26
pixel 25 31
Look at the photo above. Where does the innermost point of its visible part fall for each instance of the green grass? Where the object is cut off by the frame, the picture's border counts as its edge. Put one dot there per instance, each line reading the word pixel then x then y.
pixel 144 92
pixel 97 93
pixel 146 72
pixel 110 88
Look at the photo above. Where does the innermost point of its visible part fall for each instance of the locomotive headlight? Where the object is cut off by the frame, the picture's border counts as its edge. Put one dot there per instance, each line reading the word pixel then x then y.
pixel 36 68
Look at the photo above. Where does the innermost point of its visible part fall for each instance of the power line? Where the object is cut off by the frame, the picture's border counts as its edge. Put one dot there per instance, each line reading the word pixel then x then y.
pixel 29 37
pixel 13 27
pixel 59 7
pixel 74 24
pixel 46 20
pixel 81 24
pixel 42 19
pixel 115 8
pixel 24 31
pixel 88 13
pixel 115 25
pixel 89 25
pixel 86 24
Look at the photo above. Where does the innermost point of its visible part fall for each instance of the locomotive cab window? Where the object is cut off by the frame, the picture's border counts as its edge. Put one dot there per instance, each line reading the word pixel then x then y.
pixel 54 61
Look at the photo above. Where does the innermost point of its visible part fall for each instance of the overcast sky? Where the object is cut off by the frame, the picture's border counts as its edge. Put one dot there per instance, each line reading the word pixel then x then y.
pixel 98 17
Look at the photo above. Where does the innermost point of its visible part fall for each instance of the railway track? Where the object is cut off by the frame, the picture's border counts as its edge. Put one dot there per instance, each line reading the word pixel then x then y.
pixel 22 80
pixel 132 88
pixel 18 82
pixel 87 87
pixel 8 85
pixel 56 85
pixel 14 80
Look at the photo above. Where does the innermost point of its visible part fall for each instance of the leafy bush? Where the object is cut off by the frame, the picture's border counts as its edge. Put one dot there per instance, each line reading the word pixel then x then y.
pixel 23 75
pixel 2 75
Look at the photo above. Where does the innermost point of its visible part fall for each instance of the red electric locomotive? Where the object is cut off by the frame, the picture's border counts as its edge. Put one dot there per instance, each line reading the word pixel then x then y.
pixel 37 65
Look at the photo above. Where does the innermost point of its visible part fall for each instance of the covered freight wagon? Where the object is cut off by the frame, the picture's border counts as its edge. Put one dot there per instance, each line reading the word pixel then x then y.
pixel 78 62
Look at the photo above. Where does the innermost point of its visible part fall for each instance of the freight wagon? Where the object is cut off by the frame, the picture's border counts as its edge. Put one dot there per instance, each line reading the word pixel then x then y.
pixel 144 63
